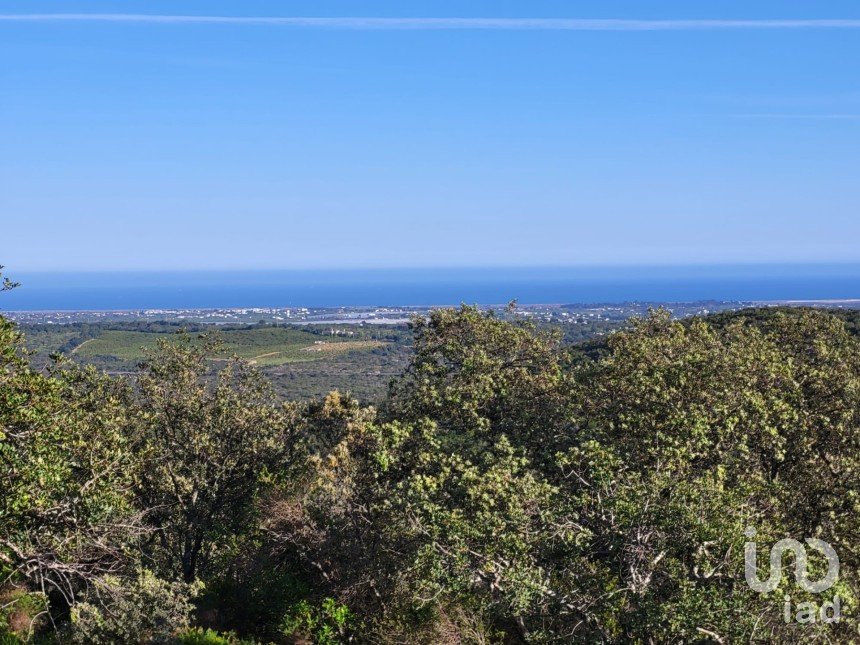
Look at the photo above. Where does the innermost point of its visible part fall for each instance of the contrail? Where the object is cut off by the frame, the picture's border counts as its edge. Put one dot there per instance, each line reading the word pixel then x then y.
pixel 835 117
pixel 546 24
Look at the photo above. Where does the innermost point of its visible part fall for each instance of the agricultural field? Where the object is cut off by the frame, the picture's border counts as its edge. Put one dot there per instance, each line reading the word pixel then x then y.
pixel 263 347
pixel 301 362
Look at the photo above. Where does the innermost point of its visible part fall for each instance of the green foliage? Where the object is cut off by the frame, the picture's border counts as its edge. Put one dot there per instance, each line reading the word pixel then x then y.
pixel 22 613
pixel 328 623
pixel 552 499
pixel 510 488
pixel 66 516
pixel 705 431
pixel 198 636
pixel 481 378
pixel 144 609
pixel 204 454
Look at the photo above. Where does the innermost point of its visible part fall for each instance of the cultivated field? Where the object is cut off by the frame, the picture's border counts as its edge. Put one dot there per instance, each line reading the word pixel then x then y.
pixel 264 347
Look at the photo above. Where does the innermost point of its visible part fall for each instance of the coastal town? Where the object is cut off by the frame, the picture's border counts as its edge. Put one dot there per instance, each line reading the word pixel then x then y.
pixel 566 314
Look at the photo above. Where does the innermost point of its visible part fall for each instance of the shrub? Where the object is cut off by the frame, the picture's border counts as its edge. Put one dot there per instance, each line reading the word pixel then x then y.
pixel 144 610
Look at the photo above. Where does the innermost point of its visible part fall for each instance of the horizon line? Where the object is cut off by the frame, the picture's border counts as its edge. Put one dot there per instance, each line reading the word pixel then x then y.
pixel 373 23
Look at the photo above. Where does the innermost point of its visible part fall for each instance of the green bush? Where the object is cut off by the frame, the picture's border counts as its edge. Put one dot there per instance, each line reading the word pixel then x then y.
pixel 327 623
pixel 143 610
pixel 199 636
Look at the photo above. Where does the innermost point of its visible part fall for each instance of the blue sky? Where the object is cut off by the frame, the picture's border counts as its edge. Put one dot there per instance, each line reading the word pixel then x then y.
pixel 192 145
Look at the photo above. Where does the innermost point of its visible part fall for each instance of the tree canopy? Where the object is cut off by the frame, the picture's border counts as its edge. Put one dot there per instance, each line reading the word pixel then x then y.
pixel 511 488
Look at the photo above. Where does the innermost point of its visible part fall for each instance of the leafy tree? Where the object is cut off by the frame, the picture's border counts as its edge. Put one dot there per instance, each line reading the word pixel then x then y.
pixel 66 513
pixel 695 433
pixel 205 453
pixel 480 378
pixel 510 489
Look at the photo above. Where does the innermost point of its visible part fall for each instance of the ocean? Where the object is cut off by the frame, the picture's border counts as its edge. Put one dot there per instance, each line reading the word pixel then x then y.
pixel 424 287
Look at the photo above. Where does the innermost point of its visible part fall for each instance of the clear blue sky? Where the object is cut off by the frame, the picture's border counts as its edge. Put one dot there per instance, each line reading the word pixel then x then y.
pixel 193 145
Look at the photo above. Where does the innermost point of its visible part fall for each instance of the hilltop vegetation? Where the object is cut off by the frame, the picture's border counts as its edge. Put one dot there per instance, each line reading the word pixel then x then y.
pixel 508 489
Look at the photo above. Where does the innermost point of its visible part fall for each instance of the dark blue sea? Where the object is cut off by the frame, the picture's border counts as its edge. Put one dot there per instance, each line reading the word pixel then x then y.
pixel 417 287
